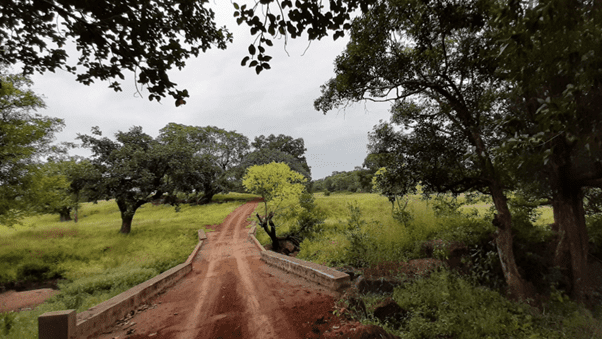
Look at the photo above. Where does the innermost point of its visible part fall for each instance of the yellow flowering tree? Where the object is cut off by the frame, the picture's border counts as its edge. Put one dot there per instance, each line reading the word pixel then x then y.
pixel 280 187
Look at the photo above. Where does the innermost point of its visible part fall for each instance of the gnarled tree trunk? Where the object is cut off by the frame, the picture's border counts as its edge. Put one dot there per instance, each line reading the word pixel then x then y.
pixel 517 286
pixel 270 230
pixel 127 209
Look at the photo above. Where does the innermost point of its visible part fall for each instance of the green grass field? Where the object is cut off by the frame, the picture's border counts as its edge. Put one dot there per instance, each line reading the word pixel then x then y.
pixel 95 260
pixel 443 305
pixel 98 263
pixel 385 238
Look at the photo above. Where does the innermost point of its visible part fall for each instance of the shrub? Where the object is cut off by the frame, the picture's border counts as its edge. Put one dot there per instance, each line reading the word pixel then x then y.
pixel 7 321
pixel 37 271
pixel 308 222
pixel 359 238
pixel 447 306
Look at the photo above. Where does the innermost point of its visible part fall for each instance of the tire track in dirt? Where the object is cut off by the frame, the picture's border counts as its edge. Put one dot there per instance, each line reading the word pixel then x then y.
pixel 231 293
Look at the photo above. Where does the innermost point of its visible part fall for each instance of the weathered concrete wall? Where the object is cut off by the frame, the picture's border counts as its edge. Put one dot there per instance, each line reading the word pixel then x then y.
pixel 90 323
pixel 94 320
pixel 320 274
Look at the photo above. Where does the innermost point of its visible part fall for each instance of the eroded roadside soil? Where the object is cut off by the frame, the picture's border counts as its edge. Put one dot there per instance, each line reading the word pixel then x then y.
pixel 231 293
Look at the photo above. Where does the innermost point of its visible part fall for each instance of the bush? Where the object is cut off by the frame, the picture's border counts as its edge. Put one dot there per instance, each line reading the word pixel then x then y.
pixel 447 306
pixel 309 221
pixel 7 321
pixel 360 240
pixel 37 271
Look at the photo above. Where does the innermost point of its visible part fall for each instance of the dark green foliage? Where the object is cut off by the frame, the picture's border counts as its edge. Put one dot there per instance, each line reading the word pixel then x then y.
pixel 524 214
pixel 25 137
pixel 134 170
pixel 7 321
pixel 281 148
pixel 447 306
pixel 485 267
pixel 358 180
pixel 148 38
pixel 594 227
pixel 37 271
pixel 309 220
pixel 360 241
pixel 215 162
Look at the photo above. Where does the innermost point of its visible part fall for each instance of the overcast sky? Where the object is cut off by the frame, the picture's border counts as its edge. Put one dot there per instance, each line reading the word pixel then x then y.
pixel 226 95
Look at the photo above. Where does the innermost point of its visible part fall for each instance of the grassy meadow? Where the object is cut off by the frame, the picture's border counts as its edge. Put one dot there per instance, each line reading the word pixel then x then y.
pixel 360 230
pixel 94 261
pixel 383 237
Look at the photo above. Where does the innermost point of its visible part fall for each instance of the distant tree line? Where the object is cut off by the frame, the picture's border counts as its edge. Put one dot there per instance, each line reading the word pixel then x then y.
pixel 358 180
pixel 183 164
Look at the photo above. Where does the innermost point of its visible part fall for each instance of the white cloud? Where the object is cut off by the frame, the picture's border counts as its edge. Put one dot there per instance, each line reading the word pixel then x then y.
pixel 224 94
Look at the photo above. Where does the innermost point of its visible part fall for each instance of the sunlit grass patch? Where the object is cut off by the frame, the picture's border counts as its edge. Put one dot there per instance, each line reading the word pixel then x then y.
pixel 234 196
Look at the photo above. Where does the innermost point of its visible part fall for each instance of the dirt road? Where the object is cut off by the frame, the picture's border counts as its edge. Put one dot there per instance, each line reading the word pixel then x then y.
pixel 231 293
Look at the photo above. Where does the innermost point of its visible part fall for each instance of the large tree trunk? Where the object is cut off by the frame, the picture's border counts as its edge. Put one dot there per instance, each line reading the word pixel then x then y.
pixel 572 249
pixel 126 223
pixel 127 209
pixel 517 287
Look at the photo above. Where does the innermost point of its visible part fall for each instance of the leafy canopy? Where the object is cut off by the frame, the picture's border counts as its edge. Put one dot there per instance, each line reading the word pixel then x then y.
pixel 148 38
pixel 279 186
pixel 134 170
pixel 25 137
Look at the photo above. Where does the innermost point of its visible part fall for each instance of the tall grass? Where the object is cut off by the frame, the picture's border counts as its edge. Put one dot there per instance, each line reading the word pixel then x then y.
pixel 443 305
pixel 388 239
pixel 95 260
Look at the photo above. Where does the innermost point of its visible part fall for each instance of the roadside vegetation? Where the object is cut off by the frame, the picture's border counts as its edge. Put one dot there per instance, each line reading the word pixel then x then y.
pixel 360 234
pixel 92 261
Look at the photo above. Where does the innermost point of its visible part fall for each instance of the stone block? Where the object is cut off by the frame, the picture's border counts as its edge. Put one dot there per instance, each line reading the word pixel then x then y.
pixel 57 325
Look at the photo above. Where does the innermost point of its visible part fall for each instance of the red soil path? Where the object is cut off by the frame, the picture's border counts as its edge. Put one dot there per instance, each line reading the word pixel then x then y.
pixel 231 293
pixel 24 301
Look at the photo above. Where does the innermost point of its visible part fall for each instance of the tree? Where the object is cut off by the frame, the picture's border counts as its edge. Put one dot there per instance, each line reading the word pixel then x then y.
pixel 283 143
pixel 267 20
pixel 216 161
pixel 59 184
pixel 280 188
pixel 148 38
pixel 134 170
pixel 281 148
pixel 52 190
pixel 556 120
pixel 25 137
pixel 435 61
pixel 394 184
